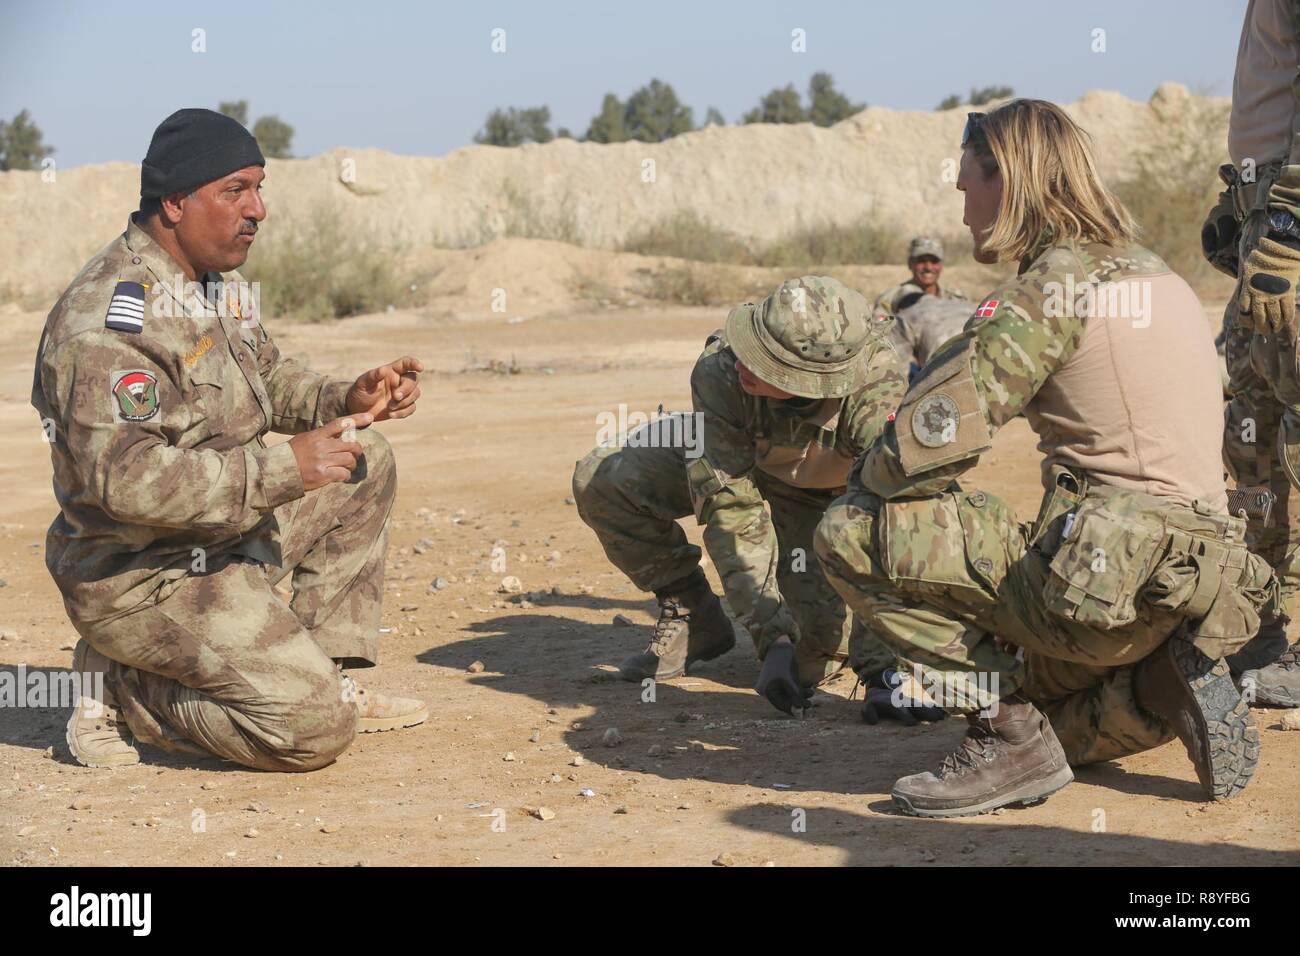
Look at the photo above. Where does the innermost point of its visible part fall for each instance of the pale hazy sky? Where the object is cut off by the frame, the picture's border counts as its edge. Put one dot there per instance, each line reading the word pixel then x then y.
pixel 419 78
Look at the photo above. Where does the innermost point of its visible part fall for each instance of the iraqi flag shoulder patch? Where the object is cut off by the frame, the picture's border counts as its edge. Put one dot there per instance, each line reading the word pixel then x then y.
pixel 135 395
pixel 126 308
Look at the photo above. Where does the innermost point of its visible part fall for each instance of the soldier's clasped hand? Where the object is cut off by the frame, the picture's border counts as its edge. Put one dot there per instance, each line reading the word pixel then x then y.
pixel 389 391
pixel 324 456
pixel 779 679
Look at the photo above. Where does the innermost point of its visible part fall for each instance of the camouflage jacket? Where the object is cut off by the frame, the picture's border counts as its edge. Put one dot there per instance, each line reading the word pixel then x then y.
pixel 740 433
pixel 155 398
pixel 892 299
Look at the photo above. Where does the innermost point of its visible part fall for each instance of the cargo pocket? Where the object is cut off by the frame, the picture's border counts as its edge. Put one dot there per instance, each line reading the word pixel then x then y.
pixel 1234 615
pixel 1100 567
pixel 955 540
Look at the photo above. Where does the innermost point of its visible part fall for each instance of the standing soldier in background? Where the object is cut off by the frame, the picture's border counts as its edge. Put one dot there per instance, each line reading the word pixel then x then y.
pixel 1100 629
pixel 927 323
pixel 156 383
pixel 922 322
pixel 785 397
pixel 1253 233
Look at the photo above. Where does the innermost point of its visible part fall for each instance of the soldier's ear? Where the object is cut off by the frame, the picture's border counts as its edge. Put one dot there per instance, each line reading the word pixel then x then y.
pixel 172 208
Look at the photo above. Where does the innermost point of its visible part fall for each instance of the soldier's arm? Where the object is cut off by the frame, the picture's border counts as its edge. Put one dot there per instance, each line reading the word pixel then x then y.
pixel 989 374
pixel 1284 194
pixel 300 398
pixel 868 411
pixel 132 467
pixel 738 532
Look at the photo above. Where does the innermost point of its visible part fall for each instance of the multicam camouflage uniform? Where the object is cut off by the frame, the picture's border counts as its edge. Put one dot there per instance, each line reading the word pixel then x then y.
pixel 1263 416
pixel 942 572
pixel 177 519
pixel 794 455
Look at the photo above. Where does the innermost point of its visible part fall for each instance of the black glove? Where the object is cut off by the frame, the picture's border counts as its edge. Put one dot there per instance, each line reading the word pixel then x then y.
pixel 778 681
pixel 1220 235
pixel 883 700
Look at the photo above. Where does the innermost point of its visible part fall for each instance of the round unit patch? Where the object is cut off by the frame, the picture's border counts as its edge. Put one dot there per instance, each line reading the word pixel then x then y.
pixel 935 420
pixel 135 396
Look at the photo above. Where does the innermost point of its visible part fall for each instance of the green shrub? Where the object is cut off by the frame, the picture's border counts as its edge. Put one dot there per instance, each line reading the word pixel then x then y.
pixel 318 267
pixel 687 236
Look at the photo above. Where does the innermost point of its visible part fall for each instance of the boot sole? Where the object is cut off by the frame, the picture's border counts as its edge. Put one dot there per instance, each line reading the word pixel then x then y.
pixel 1217 730
pixel 1026 795
pixel 377 725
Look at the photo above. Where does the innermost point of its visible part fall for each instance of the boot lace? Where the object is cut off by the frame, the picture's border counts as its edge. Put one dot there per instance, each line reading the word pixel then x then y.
pixel 672 615
pixel 979 748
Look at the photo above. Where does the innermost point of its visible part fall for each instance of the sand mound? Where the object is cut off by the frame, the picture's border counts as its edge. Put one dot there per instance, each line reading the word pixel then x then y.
pixel 758 181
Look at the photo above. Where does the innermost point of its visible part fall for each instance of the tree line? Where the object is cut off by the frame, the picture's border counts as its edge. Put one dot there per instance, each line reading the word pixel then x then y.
pixel 654 113
pixel 651 114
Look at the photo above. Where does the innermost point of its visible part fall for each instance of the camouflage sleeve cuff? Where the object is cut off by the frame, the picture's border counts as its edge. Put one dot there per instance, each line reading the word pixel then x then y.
pixel 780 624
pixel 880 471
pixel 279 479
pixel 333 401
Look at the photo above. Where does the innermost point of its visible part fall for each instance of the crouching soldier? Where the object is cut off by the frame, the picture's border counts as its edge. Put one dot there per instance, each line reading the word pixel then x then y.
pixel 1100 629
pixel 786 396
pixel 157 383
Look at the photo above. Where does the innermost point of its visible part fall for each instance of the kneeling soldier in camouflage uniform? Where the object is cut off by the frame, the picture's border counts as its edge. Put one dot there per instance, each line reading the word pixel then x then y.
pixel 177 519
pixel 1100 629
pixel 786 396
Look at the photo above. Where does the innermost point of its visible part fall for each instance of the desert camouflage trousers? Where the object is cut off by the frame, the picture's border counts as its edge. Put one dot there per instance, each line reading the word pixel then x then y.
pixel 218 659
pixel 633 497
pixel 1262 416
pixel 940 579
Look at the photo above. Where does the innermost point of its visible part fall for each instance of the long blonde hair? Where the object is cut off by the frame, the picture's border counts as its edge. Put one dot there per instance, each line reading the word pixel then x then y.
pixel 1049 181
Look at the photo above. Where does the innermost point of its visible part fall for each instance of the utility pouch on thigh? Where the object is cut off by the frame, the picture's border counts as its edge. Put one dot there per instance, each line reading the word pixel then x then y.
pixel 1101 565
pixel 704 481
pixel 1221 589
pixel 953 540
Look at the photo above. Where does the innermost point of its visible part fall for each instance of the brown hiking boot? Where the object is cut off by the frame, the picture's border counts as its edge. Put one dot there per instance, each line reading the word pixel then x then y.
pixel 1195 695
pixel 378 712
pixel 97 735
pixel 1012 757
pixel 692 627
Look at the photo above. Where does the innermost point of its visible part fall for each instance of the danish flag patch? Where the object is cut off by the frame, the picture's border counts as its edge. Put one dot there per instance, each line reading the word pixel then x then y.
pixel 987 308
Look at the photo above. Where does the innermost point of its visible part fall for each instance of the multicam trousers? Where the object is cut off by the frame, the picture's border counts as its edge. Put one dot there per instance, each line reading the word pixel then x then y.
pixel 949 581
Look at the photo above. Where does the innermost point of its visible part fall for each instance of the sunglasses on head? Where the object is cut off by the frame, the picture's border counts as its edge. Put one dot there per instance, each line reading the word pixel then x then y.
pixel 973 121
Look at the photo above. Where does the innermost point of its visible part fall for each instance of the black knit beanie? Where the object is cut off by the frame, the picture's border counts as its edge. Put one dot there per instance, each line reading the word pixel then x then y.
pixel 192 147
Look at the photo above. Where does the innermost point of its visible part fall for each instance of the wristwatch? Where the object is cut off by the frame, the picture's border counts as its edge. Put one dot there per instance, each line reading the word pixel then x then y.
pixel 1283 224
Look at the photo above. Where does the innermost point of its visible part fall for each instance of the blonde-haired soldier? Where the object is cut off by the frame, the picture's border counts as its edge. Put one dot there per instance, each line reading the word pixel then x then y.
pixel 1099 629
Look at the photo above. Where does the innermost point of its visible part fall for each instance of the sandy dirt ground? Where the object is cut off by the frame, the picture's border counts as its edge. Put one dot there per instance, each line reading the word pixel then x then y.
pixel 708 772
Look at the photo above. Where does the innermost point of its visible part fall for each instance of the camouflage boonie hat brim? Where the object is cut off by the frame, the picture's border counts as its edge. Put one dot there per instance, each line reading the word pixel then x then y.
pixel 819 353
pixel 925 246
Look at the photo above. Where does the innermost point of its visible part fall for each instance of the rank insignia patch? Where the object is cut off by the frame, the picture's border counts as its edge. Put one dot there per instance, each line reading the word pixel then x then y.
pixel 135 396
pixel 126 309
